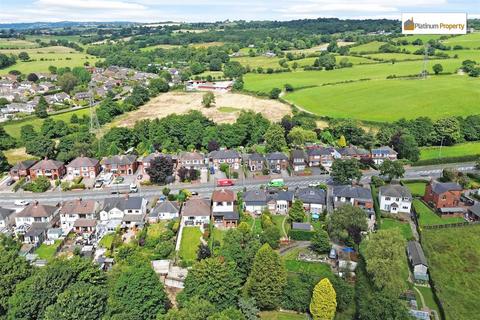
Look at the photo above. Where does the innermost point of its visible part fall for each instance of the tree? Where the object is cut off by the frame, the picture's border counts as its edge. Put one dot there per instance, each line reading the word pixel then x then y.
pixel 203 252
pixel 41 109
pixel 346 171
pixel 23 56
pixel 215 280
pixel 385 259
pixel 82 75
pixel 27 133
pixel 161 168
pixel 297 212
pixel 6 141
pixel 324 301
pixel 208 99
pixel 267 279
pixel 275 93
pixel 437 68
pixel 346 224
pixel 137 293
pixel 233 69
pixel 32 77
pixel 407 148
pixel 41 147
pixel 392 169
pixel 194 309
pixel 320 241
pixel 249 308
pixel 67 82
pixel 342 142
pixel 275 138
pixel 298 293
pixel 381 306
pixel 299 136
pixel 447 131
pixel 158 85
pixel 4 165
pixel 271 235
pixel 113 149
pixel 81 301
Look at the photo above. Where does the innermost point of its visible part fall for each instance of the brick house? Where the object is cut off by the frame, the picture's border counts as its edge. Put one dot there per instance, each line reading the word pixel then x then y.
pixel 120 165
pixel 277 161
pixel 48 168
pixel 443 194
pixel 83 167
pixel 255 162
pixel 230 157
pixel 224 211
pixel 21 169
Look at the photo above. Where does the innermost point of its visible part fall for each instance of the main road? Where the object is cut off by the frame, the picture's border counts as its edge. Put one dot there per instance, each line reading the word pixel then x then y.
pixel 205 189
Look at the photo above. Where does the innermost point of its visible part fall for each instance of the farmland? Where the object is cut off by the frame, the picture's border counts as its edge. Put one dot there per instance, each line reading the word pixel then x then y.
pixel 458 150
pixel 8 43
pixel 453 256
pixel 392 99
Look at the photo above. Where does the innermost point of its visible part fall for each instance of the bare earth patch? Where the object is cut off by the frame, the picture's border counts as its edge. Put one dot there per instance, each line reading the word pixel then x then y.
pixel 226 110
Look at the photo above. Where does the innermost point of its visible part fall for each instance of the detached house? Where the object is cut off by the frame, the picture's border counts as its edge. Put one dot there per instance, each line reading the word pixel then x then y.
pixel 21 169
pixel 33 222
pixel 443 194
pixel 193 160
pixel 395 199
pixel 314 199
pixel 120 165
pixel 279 202
pixel 165 210
pixel 356 196
pixel 277 161
pixel 417 261
pixel 255 162
pixel 321 156
pixel 196 212
pixel 51 169
pixel 255 201
pixel 78 215
pixel 230 157
pixel 224 211
pixel 130 211
pixel 83 167
pixel 298 159
pixel 383 153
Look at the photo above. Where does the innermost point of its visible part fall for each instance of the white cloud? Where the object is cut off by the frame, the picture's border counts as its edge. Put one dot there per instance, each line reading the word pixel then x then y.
pixel 89 5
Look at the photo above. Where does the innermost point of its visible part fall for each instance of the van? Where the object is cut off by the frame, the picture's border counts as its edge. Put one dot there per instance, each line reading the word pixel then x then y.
pixel 276 183
pixel 225 182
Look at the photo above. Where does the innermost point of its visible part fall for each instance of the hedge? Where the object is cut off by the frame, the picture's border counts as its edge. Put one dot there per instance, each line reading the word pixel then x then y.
pixel 446 160
pixel 300 235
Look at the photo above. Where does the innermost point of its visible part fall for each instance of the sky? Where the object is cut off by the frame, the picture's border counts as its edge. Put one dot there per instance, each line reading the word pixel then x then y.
pixel 219 10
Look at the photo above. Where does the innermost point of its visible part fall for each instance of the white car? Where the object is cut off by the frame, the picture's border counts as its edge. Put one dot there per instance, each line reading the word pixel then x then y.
pixel 21 203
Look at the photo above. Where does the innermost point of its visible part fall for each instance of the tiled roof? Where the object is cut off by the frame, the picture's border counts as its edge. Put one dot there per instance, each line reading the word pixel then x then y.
pixel 196 207
pixel 395 191
pixel 355 192
pixel 47 164
pixel 83 162
pixel 223 196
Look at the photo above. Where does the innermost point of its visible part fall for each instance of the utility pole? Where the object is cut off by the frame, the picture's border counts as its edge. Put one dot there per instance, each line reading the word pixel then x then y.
pixel 425 61
pixel 441 146
pixel 94 124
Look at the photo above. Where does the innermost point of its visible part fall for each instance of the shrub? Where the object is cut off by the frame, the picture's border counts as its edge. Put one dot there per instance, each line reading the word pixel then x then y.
pixel 300 235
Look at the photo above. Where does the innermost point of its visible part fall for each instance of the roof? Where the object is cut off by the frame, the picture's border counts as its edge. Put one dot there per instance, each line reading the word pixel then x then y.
pixel 166 206
pixel 475 209
pixel 383 150
pixel 282 196
pixel 352 151
pixel 83 162
pixel 318 152
pixel 5 213
pixel 355 192
pixel 47 164
pixel 255 157
pixel 442 187
pixel 85 223
pixel 37 210
pixel 395 191
pixel 298 154
pixel 224 154
pixel 276 156
pixel 36 229
pixel 452 210
pixel 254 197
pixel 223 196
pixel 227 215
pixel 196 207
pixel 154 155
pixel 301 226
pixel 312 195
pixel 133 217
pixel 121 160
pixel 24 165
pixel 122 203
pixel 191 156
pixel 79 207
pixel 415 253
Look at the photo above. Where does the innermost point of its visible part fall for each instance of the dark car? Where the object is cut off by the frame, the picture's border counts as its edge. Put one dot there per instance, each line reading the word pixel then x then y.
pixel 10 182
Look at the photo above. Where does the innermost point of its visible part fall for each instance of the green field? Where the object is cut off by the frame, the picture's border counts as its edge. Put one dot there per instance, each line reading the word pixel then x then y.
pixel 396 56
pixel 259 61
pixel 282 315
pixel 423 37
pixel 42 58
pixel 471 40
pixel 453 256
pixel 9 43
pixel 368 47
pixel 190 242
pixel 389 100
pixel 47 252
pixel 13 128
pixel 159 46
pixel 416 188
pixel 426 217
pixel 458 150
pixel 404 227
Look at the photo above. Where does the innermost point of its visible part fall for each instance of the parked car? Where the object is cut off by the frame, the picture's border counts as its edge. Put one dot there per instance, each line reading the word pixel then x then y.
pixel 10 182
pixel 21 203
pixel 98 185
pixel 133 188
pixel 118 180
pixel 332 254
pixel 276 183
pixel 194 193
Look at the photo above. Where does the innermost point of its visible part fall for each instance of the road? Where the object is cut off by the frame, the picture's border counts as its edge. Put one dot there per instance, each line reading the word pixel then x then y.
pixel 205 189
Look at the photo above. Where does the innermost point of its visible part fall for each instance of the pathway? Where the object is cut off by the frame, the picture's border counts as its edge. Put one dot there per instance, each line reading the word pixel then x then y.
pixel 294 245
pixel 422 299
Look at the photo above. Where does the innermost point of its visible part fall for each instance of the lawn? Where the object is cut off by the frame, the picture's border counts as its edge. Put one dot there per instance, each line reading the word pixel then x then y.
pixel 47 252
pixel 390 100
pixel 282 315
pixel 321 270
pixel 259 61
pixel 107 240
pixel 13 128
pixel 368 47
pixel 416 188
pixel 426 217
pixel 228 109
pixel 471 40
pixel 217 235
pixel 155 229
pixel 395 56
pixel 377 71
pixel 453 256
pixel 458 150
pixel 278 221
pixel 428 297
pixel 189 245
pixel 404 227
pixel 42 58
pixel 160 46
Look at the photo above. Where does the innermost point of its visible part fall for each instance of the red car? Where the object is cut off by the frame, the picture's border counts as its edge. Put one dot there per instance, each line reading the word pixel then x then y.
pixel 225 182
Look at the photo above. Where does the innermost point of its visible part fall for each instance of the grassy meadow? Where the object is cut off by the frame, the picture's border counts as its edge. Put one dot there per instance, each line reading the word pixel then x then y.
pixel 453 256
pixel 404 227
pixel 458 150
pixel 368 47
pixel 9 43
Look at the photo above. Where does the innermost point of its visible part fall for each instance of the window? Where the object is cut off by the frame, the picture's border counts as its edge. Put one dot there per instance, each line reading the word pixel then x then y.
pixel 387 198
